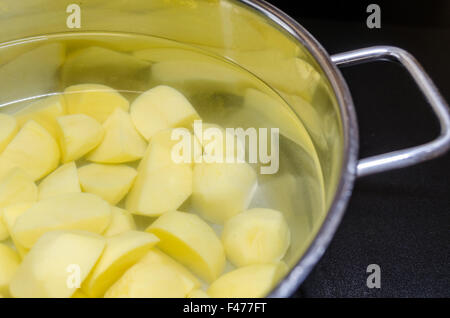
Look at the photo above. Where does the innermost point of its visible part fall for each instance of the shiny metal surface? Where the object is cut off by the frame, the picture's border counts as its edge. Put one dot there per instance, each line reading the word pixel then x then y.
pixel 410 156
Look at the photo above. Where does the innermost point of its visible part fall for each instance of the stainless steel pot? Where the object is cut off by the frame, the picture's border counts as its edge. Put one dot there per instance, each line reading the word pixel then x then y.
pixel 264 40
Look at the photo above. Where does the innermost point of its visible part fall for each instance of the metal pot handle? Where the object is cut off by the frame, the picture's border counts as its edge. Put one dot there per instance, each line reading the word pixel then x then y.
pixel 413 155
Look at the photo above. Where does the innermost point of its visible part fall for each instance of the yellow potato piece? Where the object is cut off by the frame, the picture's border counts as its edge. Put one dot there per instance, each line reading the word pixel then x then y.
pixel 170 147
pixel 95 100
pixel 10 215
pixel 192 242
pixel 159 108
pixel 8 129
pixel 121 221
pixel 79 294
pixel 222 190
pixel 62 180
pixel 160 191
pixel 69 211
pixel 122 143
pixel 197 293
pixel 44 112
pixel 9 262
pixel 78 134
pixel 57 265
pixel 4 233
pixel 121 252
pixel 147 281
pixel 17 186
pixel 33 149
pixel 253 281
pixel 256 236
pixel 110 182
pixel 156 256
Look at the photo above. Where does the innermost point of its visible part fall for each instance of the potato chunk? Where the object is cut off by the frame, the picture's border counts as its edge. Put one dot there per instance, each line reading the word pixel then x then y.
pixel 122 143
pixel 159 108
pixel 95 100
pixel 10 215
pixel 121 252
pixel 33 149
pixel 17 186
pixel 222 190
pixel 9 262
pixel 121 221
pixel 256 236
pixel 160 191
pixel 252 281
pixel 147 281
pixel 70 211
pixel 110 182
pixel 62 180
pixel 192 242
pixel 8 129
pixel 156 256
pixel 78 134
pixel 57 264
pixel 44 112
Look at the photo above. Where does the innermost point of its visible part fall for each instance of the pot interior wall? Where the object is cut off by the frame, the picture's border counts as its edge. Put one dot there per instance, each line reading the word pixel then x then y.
pixel 293 94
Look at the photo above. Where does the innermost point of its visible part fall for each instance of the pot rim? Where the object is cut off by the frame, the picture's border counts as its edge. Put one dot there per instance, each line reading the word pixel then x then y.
pixel 334 215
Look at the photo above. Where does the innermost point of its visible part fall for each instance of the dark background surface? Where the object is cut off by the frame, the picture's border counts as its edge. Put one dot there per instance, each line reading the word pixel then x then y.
pixel 399 220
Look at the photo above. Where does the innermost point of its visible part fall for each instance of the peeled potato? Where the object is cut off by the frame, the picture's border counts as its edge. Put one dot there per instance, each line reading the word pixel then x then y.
pixel 44 112
pixel 62 180
pixel 122 143
pixel 121 252
pixel 70 211
pixel 9 262
pixel 197 293
pixel 147 281
pixel 17 186
pixel 159 108
pixel 95 100
pixel 121 221
pixel 78 134
pixel 8 129
pixel 252 281
pixel 110 182
pixel 4 234
pixel 57 265
pixel 160 191
pixel 222 190
pixel 256 236
pixel 192 242
pixel 167 143
pixel 156 256
pixel 10 215
pixel 33 149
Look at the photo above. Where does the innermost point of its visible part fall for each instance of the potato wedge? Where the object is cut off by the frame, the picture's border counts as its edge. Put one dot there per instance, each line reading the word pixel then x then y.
pixel 17 186
pixel 78 134
pixel 122 143
pixel 191 241
pixel 57 264
pixel 121 221
pixel 10 215
pixel 8 129
pixel 69 211
pixel 43 111
pixel 95 100
pixel 222 190
pixel 33 149
pixel 110 182
pixel 252 281
pixel 121 252
pixel 62 180
pixel 159 108
pixel 256 236
pixel 160 191
pixel 9 262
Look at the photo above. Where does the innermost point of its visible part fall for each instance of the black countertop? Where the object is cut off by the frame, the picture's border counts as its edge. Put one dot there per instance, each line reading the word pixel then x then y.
pixel 399 220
